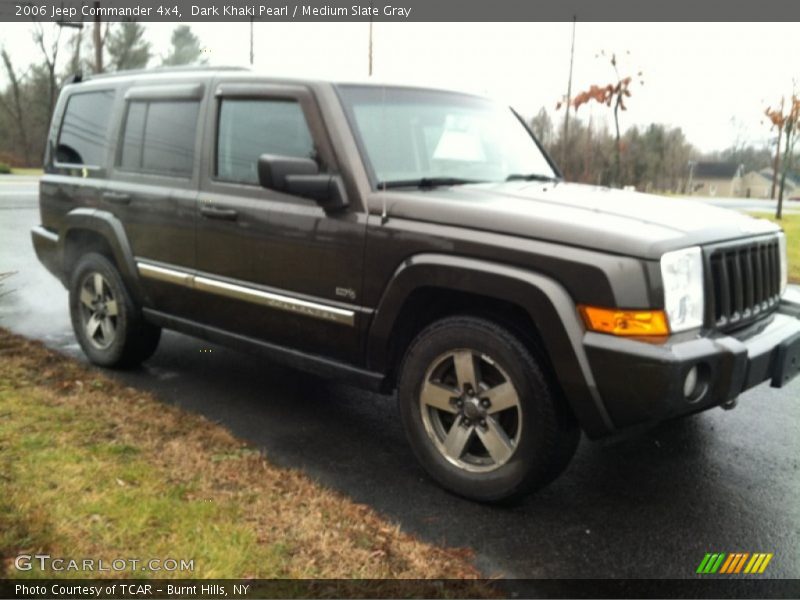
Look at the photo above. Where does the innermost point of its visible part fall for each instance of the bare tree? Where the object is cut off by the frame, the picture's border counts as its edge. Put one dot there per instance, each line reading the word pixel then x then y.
pixel 75 47
pixel 787 121
pixel 3 277
pixel 612 95
pixel 49 50
pixel 542 127
pixel 14 105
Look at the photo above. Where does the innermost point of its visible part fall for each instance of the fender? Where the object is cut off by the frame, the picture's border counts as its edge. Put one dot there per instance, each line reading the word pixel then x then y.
pixel 544 299
pixel 111 230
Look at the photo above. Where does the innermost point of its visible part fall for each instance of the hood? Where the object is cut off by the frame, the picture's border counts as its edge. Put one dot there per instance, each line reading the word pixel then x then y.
pixel 610 220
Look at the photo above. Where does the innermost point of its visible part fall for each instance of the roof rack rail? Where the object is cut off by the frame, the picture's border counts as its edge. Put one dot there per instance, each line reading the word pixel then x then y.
pixel 157 70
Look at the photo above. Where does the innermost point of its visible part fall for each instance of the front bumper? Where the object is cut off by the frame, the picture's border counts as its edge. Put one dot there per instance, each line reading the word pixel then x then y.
pixel 641 382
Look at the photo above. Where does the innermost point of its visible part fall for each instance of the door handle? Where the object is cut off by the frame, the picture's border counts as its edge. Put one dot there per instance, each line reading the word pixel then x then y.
pixel 213 212
pixel 117 197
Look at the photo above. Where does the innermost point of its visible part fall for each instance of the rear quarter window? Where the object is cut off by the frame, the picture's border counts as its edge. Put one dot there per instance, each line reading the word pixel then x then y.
pixel 84 135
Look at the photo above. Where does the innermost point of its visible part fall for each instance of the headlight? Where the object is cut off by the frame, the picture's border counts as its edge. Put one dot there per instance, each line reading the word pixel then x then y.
pixel 784 262
pixel 682 275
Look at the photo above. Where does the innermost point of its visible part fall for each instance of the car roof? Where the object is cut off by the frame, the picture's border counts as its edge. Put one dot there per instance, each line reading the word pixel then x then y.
pixel 204 73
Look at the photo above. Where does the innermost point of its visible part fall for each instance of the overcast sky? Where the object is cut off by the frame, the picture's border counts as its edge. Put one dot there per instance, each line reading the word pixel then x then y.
pixel 712 79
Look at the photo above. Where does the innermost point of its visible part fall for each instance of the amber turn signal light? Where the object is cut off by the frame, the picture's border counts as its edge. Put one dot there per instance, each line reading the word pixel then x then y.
pixel 625 322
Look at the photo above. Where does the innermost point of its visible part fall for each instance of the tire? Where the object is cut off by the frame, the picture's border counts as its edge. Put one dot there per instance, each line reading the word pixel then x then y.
pixel 107 322
pixel 499 442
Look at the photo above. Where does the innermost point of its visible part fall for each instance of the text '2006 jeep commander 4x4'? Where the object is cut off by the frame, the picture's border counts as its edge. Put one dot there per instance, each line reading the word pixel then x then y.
pixel 405 238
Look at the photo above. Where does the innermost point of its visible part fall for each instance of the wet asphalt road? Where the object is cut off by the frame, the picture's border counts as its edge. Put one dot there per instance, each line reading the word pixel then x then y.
pixel 648 505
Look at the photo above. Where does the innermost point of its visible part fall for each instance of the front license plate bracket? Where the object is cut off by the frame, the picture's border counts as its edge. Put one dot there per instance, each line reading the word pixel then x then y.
pixel 787 361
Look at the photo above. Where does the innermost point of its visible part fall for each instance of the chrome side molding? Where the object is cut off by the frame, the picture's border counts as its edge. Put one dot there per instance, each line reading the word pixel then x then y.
pixel 272 300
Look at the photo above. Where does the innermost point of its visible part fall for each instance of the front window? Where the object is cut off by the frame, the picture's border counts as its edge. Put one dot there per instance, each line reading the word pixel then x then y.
pixel 411 137
pixel 250 128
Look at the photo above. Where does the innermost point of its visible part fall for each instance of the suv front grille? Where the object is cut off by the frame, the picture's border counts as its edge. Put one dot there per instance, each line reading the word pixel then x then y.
pixel 745 280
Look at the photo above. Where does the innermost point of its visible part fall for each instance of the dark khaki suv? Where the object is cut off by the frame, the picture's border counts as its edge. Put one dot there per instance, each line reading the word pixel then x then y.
pixel 409 239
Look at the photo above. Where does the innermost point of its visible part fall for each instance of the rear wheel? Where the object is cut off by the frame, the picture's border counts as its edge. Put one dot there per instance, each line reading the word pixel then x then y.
pixel 479 412
pixel 108 324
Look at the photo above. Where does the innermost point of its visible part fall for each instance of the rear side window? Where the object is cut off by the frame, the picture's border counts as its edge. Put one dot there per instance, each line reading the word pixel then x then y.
pixel 159 137
pixel 250 128
pixel 83 139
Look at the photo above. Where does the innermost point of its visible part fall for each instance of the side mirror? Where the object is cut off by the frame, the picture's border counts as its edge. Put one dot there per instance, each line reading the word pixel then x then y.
pixel 301 177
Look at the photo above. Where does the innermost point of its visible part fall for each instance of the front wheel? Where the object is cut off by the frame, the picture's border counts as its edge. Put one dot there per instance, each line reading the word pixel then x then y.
pixel 479 412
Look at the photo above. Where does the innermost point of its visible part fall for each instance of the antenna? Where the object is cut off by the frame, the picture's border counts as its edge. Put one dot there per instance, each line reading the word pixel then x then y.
pixel 251 41
pixel 384 213
pixel 369 69
pixel 569 92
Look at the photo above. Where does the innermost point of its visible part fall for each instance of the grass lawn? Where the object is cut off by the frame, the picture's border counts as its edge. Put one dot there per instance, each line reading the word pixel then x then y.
pixel 90 468
pixel 791 226
pixel 29 172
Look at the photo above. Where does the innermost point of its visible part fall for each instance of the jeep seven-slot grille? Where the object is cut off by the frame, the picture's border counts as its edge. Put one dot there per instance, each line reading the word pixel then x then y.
pixel 746 282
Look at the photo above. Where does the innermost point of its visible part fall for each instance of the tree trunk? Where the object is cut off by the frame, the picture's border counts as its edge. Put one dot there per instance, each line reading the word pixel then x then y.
pixel 51 62
pixel 618 151
pixel 776 164
pixel 786 164
pixel 17 111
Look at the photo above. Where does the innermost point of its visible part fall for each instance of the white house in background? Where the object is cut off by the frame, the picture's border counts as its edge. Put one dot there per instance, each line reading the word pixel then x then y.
pixel 722 179
pixel 758 184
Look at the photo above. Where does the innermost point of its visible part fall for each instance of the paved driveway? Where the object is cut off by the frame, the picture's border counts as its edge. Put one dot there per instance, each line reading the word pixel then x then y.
pixel 767 207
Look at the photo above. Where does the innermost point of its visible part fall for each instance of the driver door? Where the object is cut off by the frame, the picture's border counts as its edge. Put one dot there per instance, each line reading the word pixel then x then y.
pixel 270 265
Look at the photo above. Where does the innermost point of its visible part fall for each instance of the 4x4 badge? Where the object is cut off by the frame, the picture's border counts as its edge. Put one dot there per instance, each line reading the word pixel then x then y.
pixel 344 292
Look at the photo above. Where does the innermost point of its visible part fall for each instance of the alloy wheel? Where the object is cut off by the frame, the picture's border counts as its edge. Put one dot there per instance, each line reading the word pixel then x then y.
pixel 471 410
pixel 99 311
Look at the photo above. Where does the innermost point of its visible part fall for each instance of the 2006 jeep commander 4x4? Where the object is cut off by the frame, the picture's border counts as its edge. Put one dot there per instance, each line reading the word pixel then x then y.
pixel 405 238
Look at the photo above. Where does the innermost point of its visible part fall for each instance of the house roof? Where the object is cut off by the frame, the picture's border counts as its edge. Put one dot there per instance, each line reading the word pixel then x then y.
pixel 766 173
pixel 715 170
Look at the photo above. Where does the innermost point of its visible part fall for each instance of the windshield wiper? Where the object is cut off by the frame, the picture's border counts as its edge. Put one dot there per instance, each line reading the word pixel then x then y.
pixel 426 182
pixel 531 177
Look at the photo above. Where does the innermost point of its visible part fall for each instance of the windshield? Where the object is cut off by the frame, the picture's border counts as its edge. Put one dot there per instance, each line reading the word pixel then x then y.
pixel 424 137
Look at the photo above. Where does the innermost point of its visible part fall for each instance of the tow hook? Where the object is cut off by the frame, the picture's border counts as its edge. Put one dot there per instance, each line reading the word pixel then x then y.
pixel 730 404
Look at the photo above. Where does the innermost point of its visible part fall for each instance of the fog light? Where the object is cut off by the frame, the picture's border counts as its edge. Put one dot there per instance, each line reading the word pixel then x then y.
pixel 690 383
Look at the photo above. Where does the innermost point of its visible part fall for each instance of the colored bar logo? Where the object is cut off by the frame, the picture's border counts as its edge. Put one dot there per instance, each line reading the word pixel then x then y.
pixel 734 563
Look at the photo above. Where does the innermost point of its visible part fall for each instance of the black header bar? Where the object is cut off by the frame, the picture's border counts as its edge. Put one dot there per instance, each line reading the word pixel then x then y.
pixel 76 11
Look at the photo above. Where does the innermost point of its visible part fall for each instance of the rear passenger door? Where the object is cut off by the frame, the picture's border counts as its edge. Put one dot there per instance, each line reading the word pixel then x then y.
pixel 271 265
pixel 153 188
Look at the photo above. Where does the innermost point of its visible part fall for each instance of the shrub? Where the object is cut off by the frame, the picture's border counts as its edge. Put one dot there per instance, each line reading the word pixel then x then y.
pixel 4 169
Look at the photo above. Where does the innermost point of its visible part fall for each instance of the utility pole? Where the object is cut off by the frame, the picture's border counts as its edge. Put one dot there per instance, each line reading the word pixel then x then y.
pixel 98 39
pixel 369 69
pixel 251 41
pixel 78 41
pixel 569 94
